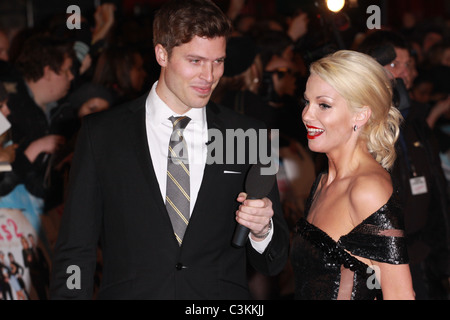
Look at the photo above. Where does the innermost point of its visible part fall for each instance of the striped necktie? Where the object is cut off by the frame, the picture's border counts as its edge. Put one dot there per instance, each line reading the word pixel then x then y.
pixel 177 192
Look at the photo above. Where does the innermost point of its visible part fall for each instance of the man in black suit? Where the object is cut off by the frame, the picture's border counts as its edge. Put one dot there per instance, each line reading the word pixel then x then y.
pixel 118 183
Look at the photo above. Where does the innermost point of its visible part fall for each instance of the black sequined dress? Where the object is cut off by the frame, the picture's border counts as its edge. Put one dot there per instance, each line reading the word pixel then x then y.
pixel 325 270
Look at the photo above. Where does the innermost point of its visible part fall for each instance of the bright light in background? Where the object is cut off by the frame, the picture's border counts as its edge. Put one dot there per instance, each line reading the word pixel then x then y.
pixel 335 5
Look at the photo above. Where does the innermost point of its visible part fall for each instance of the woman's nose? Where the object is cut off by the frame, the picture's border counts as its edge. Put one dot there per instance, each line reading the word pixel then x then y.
pixel 306 113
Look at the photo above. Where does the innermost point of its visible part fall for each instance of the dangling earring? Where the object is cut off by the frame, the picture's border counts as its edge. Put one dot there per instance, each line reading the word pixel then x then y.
pixel 355 128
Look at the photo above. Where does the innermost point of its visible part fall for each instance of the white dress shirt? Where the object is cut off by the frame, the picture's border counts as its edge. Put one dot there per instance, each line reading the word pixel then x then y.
pixel 159 129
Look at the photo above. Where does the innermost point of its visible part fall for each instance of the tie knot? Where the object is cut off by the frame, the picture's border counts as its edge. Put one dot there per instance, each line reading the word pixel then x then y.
pixel 179 122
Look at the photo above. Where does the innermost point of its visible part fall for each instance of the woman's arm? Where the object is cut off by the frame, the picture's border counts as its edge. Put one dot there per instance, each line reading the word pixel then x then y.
pixel 368 195
pixel 395 281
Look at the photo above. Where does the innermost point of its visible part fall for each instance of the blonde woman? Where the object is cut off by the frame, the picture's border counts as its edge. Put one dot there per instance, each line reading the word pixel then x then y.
pixel 350 245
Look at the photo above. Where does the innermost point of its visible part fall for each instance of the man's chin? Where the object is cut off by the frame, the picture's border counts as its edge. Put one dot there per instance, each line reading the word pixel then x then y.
pixel 201 101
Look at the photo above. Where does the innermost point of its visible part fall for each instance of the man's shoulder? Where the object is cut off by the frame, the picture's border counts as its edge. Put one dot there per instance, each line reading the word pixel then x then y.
pixel 119 114
pixel 20 101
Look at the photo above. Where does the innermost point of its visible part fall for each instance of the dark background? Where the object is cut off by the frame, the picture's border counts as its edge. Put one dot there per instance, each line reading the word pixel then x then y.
pixel 22 13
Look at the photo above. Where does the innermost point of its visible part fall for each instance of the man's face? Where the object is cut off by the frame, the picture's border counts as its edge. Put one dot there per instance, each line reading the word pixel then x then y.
pixel 59 83
pixel 191 73
pixel 401 66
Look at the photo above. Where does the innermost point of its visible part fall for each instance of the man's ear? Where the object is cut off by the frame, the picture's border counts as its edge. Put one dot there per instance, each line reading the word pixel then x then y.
pixel 161 54
pixel 47 73
pixel 363 116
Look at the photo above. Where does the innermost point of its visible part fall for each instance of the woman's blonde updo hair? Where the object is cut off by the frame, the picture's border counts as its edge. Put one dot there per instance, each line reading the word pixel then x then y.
pixel 362 81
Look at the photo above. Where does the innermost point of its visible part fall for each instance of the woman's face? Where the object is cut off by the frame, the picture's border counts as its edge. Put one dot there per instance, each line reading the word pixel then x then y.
pixel 327 117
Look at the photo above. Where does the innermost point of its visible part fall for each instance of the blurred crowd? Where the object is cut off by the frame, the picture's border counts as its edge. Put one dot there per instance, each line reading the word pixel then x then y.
pixel 51 77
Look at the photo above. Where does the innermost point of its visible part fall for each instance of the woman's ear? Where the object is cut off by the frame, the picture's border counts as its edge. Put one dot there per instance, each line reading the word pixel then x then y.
pixel 363 116
pixel 161 55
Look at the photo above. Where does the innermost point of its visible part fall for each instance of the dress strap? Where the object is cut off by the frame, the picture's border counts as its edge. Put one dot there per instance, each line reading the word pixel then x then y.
pixel 380 237
pixel 328 246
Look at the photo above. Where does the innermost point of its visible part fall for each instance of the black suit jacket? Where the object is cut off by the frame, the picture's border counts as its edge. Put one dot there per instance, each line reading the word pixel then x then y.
pixel 114 196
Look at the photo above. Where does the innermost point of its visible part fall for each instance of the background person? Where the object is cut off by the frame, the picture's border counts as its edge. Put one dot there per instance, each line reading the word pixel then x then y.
pixel 417 172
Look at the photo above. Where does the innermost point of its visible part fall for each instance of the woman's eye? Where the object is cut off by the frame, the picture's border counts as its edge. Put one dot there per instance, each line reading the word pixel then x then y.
pixel 305 102
pixel 324 106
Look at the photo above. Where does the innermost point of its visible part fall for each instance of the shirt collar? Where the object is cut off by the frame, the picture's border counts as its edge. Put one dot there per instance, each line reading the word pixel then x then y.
pixel 158 112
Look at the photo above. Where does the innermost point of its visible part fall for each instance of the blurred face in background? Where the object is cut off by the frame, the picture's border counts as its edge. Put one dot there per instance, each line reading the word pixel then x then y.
pixel 59 83
pixel 401 67
pixel 4 47
pixel 430 39
pixel 422 92
pixel 4 109
pixel 284 80
pixel 138 73
pixel 445 61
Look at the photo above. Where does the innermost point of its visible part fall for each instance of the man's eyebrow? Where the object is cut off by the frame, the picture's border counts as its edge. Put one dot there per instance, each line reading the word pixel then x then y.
pixel 194 56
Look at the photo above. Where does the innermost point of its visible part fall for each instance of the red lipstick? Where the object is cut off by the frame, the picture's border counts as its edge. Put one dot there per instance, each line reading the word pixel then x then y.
pixel 313 132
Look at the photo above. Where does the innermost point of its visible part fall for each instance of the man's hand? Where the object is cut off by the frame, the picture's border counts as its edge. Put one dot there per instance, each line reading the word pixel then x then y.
pixel 255 215
pixel 47 144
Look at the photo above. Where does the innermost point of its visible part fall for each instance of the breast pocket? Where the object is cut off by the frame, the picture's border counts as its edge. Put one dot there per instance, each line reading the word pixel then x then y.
pixel 234 170
pixel 232 177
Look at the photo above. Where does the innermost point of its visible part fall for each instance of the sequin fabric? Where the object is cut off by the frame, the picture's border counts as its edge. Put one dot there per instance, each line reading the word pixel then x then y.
pixel 327 270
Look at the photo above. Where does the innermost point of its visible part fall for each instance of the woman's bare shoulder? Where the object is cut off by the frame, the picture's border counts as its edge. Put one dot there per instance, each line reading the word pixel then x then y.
pixel 369 192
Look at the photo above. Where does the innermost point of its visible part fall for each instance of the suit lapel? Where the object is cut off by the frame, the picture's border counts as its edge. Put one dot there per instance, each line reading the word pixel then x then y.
pixel 211 170
pixel 138 136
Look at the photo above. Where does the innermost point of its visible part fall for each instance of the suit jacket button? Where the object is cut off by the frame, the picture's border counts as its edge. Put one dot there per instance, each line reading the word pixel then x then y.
pixel 179 266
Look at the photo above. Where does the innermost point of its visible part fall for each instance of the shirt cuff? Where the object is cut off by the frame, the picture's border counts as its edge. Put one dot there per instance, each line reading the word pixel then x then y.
pixel 260 246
